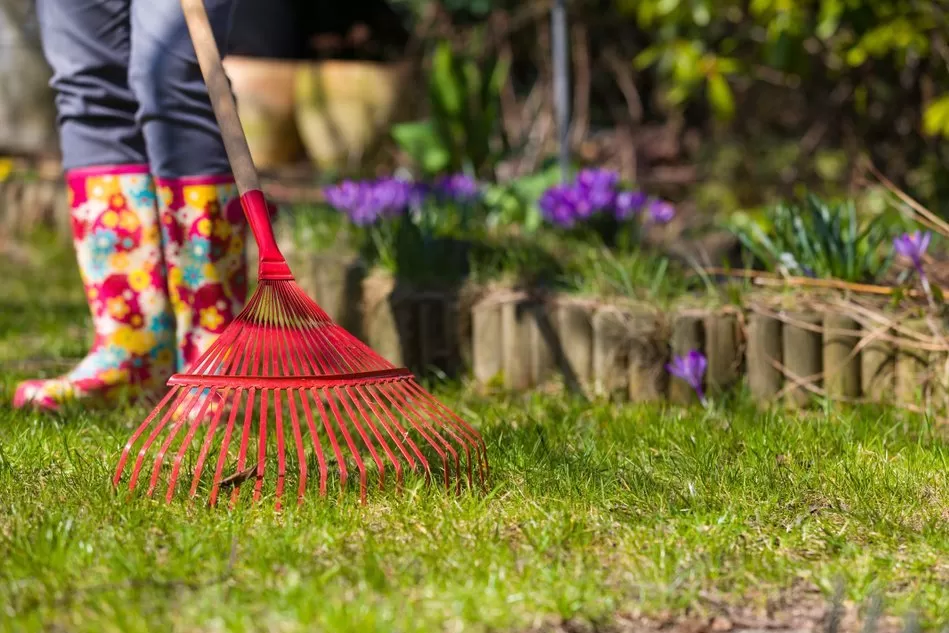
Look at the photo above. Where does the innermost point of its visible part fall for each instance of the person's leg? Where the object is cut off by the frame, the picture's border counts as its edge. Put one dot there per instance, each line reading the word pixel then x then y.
pixel 114 213
pixel 202 221
pixel 87 44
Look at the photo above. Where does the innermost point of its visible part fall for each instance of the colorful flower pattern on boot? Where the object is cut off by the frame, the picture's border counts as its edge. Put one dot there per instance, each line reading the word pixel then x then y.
pixel 204 234
pixel 118 248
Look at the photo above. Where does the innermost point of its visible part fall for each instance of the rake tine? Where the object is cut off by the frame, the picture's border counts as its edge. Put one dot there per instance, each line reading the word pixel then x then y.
pixel 283 355
pixel 409 458
pixel 206 445
pixel 368 443
pixel 405 434
pixel 181 422
pixel 228 340
pixel 400 391
pixel 437 418
pixel 298 440
pixel 349 442
pixel 463 433
pixel 143 451
pixel 314 334
pixel 222 456
pixel 367 419
pixel 185 443
pixel 420 430
pixel 317 445
pixel 343 471
pixel 245 438
pixel 473 436
pixel 292 343
pixel 138 432
pixel 281 447
pixel 297 344
pixel 261 444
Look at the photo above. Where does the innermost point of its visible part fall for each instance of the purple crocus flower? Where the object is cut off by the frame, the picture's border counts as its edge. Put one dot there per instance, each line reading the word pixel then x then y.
pixel 629 203
pixel 913 247
pixel 459 188
pixel 558 205
pixel 344 195
pixel 661 212
pixel 596 191
pixel 365 202
pixel 691 369
pixel 597 188
pixel 391 196
pixel 417 193
pixel 593 191
pixel 355 199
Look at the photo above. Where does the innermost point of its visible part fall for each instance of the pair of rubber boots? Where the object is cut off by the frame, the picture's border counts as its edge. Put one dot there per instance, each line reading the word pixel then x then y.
pixel 164 269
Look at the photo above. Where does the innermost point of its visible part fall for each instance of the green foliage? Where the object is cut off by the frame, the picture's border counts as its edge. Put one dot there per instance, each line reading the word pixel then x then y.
pixel 421 141
pixel 436 242
pixel 698 44
pixel 474 7
pixel 408 249
pixel 819 239
pixel 640 274
pixel 517 259
pixel 318 227
pixel 514 203
pixel 429 243
pixel 464 97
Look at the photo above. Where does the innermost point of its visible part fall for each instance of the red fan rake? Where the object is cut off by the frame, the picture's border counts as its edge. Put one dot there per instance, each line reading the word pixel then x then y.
pixel 284 391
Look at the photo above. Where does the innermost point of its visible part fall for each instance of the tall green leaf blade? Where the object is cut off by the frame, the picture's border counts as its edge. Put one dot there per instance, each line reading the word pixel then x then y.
pixel 447 89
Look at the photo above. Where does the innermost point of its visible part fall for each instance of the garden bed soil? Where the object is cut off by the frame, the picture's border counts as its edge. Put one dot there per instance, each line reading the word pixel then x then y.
pixel 792 611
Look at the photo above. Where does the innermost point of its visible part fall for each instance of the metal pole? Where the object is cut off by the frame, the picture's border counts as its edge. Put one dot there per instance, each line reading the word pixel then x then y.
pixel 558 19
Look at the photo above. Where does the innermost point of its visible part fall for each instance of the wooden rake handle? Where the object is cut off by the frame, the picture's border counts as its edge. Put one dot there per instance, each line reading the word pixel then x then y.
pixel 222 100
pixel 272 264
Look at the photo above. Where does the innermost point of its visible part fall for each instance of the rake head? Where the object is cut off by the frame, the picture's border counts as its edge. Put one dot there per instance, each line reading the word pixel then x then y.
pixel 285 391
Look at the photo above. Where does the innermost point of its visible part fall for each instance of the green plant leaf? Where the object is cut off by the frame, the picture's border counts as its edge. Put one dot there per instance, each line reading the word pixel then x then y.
pixel 856 56
pixel 720 96
pixel 421 141
pixel 936 117
pixel 829 18
pixel 647 57
pixel 447 87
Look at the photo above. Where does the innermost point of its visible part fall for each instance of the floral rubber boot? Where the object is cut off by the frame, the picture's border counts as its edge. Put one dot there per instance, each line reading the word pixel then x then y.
pixel 117 241
pixel 204 232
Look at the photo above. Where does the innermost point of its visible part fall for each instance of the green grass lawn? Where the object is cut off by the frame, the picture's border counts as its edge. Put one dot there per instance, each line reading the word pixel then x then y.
pixel 594 511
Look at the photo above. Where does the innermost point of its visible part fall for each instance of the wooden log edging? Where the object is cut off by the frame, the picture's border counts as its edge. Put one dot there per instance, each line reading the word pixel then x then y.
pixel 30 203
pixel 519 340
pixel 764 355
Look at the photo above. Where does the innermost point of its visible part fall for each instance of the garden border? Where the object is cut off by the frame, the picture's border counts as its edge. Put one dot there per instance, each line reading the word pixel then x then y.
pixel 789 349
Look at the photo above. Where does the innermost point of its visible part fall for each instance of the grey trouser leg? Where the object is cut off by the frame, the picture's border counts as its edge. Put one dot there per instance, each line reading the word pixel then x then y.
pixel 128 87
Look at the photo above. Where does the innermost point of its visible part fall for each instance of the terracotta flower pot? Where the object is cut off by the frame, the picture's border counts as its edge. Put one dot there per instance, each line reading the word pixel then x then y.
pixel 264 92
pixel 344 108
